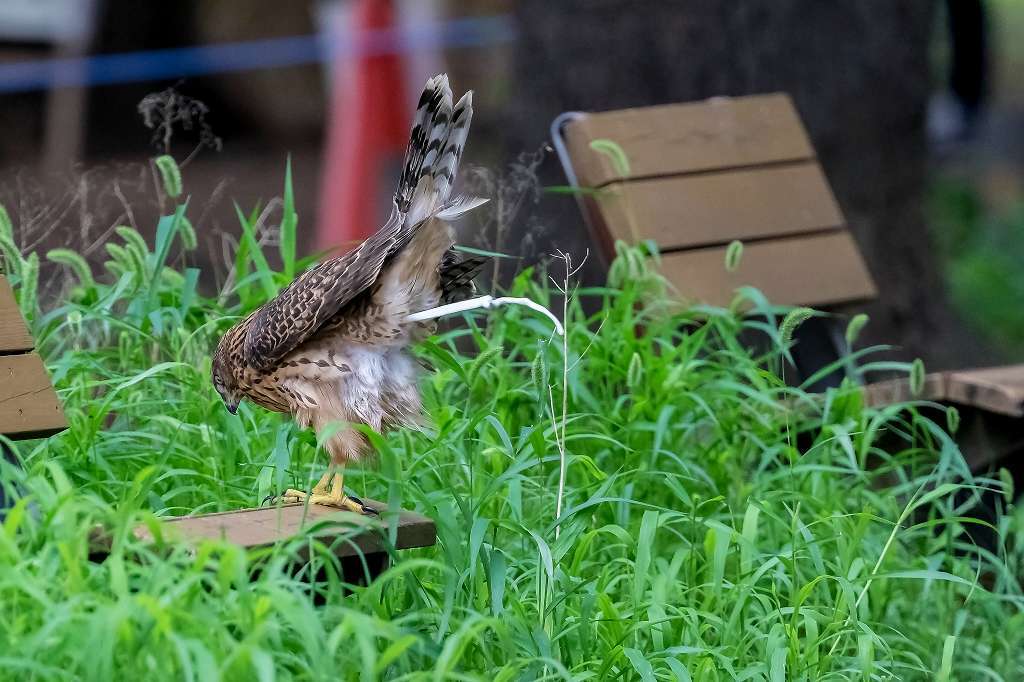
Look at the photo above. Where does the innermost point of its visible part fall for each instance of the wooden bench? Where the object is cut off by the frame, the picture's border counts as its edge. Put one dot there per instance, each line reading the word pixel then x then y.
pixel 699 175
pixel 990 401
pixel 702 175
pixel 30 408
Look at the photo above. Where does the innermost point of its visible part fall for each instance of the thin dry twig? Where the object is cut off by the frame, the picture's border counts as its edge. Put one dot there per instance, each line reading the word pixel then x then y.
pixel 265 236
pixel 567 291
pixel 510 191
pixel 168 109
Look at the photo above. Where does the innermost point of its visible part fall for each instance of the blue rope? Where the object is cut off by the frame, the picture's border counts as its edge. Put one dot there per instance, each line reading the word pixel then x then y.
pixel 203 60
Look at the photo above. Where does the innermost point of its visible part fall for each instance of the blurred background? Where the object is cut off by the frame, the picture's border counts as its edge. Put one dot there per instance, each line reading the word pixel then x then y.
pixel 916 109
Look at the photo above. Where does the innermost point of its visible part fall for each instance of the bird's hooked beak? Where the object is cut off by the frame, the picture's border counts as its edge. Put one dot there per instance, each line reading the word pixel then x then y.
pixel 232 406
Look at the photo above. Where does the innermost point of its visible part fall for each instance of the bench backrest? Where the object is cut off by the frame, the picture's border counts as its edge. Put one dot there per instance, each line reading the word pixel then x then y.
pixel 29 407
pixel 700 175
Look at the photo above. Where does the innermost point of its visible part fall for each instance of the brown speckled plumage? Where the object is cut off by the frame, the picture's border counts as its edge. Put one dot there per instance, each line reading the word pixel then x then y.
pixel 333 345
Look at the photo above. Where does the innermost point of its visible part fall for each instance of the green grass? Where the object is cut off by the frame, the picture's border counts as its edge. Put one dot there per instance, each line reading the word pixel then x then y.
pixel 716 524
pixel 982 252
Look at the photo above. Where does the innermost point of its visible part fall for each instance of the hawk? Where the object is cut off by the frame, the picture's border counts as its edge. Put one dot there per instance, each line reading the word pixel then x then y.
pixel 333 347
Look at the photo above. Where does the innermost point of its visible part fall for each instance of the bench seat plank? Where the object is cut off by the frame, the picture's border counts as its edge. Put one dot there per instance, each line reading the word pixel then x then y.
pixel 687 211
pixel 29 407
pixel 14 336
pixel 999 390
pixel 254 528
pixel 831 261
pixel 672 139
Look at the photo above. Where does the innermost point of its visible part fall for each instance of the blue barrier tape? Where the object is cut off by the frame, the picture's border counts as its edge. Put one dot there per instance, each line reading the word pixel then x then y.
pixel 204 60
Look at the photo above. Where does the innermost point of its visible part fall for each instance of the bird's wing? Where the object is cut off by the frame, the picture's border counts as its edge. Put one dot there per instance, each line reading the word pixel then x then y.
pixel 457 274
pixel 438 136
pixel 315 296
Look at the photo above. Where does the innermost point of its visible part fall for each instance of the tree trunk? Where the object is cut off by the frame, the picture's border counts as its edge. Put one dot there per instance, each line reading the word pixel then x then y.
pixel 857 71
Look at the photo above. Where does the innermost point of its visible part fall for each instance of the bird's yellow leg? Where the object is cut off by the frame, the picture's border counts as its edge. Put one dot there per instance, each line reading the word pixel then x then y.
pixel 324 483
pixel 336 497
pixel 330 492
pixel 321 488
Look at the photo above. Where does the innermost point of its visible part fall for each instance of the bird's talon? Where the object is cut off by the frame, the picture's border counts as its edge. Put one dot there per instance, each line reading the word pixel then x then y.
pixel 287 497
pixel 363 507
pixel 326 496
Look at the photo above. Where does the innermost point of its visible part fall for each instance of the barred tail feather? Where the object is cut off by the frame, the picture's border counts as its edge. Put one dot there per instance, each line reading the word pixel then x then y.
pixel 422 125
pixel 438 137
pixel 448 163
pixel 459 205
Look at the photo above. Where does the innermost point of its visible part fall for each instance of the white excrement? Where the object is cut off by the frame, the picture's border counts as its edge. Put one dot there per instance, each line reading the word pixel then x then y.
pixel 484 302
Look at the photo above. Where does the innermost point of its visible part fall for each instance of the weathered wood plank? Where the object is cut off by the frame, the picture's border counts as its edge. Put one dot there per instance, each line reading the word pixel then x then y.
pixel 996 389
pixel 687 211
pixel 672 139
pixel 815 270
pixel 14 336
pixel 254 528
pixel 891 391
pixel 999 390
pixel 990 405
pixel 29 407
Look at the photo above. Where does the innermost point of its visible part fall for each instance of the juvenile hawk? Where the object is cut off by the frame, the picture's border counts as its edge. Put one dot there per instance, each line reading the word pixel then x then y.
pixel 332 347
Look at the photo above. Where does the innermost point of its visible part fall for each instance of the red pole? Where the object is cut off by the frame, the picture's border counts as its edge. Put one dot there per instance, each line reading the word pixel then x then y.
pixel 367 122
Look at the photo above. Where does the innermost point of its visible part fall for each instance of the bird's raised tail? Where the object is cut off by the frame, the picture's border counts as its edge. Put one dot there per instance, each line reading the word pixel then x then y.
pixel 438 137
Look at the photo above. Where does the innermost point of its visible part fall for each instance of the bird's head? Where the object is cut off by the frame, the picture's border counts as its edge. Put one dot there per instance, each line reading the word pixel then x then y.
pixel 224 381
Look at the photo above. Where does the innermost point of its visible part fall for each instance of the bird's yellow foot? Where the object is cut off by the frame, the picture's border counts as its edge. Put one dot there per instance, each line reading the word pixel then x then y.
pixel 334 498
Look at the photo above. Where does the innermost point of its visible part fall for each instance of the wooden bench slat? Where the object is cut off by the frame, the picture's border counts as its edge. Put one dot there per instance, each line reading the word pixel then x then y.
pixel 684 138
pixel 990 430
pixel 29 407
pixel 890 391
pixel 830 266
pixel 14 336
pixel 997 389
pixel 254 528
pixel 688 211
